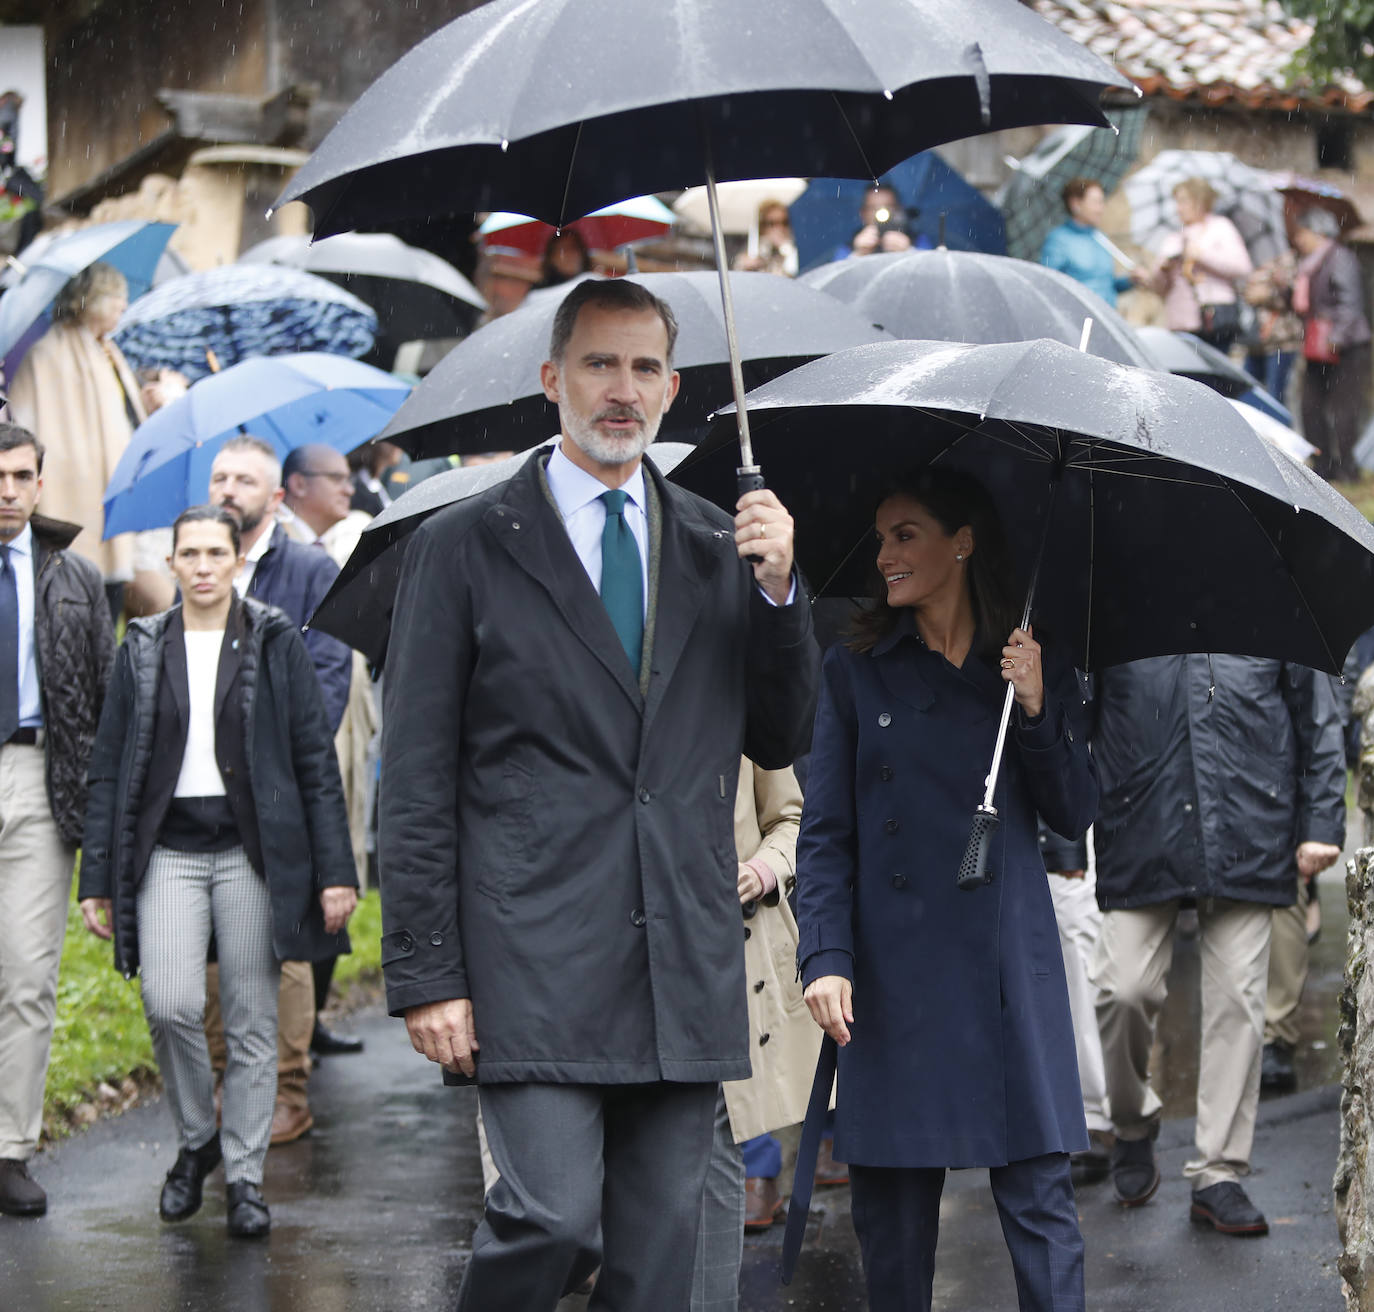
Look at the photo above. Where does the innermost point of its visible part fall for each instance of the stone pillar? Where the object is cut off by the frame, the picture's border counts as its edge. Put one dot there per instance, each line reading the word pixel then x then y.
pixel 1354 1182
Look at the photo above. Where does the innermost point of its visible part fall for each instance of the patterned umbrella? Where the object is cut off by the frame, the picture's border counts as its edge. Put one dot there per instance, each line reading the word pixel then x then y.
pixel 1031 202
pixel 240 311
pixel 1244 195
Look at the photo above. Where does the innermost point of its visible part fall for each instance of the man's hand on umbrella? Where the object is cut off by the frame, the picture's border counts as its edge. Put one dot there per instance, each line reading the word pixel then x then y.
pixel 763 530
pixel 444 1032
pixel 830 999
pixel 1021 669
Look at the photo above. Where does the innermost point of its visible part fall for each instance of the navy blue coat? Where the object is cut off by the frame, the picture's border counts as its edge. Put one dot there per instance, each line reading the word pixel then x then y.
pixel 962 1049
pixel 294 578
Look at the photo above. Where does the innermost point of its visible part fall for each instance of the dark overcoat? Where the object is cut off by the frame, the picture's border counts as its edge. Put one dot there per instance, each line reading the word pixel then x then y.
pixel 267 692
pixel 962 1048
pixel 1214 769
pixel 556 837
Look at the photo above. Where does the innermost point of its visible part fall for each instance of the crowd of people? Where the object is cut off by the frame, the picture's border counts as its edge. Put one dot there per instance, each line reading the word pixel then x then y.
pixel 742 895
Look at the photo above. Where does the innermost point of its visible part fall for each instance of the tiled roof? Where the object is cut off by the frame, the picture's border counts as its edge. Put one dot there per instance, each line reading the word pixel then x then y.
pixel 1208 50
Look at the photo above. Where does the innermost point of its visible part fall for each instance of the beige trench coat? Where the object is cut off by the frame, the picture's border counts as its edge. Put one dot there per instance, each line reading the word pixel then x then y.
pixel 785 1041
pixel 76 393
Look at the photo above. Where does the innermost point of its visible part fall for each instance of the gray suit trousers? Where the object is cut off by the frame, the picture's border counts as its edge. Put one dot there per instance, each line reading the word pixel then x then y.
pixel 591 1175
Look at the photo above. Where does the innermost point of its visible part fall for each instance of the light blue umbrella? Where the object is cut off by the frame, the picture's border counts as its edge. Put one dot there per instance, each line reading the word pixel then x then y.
pixel 132 246
pixel 240 311
pixel 289 401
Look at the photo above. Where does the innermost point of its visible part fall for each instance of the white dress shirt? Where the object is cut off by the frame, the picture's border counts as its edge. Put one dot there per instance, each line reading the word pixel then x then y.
pixel 578 497
pixel 244 579
pixel 22 562
pixel 200 776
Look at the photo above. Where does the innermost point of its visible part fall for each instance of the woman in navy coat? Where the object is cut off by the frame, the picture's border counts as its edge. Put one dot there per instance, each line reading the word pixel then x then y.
pixel 950 1007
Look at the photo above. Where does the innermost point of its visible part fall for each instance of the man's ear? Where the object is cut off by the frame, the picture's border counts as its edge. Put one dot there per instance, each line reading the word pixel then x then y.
pixel 670 392
pixel 548 377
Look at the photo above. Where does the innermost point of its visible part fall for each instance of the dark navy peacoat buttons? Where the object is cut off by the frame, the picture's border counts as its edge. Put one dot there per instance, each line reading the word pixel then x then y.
pixel 886 773
pixel 898 881
pixel 645 795
pixel 884 720
pixel 891 826
pixel 436 939
pixel 405 943
pixel 638 918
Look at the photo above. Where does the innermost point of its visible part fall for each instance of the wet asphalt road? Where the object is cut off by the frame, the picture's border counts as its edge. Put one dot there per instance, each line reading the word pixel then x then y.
pixel 373 1211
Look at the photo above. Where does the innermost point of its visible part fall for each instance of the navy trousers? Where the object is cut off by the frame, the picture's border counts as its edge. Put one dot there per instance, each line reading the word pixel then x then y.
pixel 896 1214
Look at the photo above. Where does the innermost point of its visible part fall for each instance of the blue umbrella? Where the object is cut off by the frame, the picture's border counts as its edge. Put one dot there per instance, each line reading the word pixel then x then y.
pixel 132 246
pixel 938 201
pixel 240 311
pixel 289 401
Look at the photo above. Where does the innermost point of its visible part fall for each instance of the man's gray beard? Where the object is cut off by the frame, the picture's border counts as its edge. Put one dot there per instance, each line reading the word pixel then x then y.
pixel 610 450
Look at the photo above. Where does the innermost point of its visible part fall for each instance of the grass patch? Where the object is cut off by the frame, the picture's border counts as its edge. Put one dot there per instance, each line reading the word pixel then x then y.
pixel 101 1037
pixel 1360 494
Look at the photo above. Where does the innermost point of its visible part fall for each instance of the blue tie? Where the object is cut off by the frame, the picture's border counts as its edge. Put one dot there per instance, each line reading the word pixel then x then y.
pixel 9 647
pixel 622 577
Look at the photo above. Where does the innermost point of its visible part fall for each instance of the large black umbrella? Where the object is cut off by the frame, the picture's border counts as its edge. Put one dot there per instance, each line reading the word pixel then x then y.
pixel 485 395
pixel 357 608
pixel 964 296
pixel 1174 528
pixel 417 295
pixel 554 108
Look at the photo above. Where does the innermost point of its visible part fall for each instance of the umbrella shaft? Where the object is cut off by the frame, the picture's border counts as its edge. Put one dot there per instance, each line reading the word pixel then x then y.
pixel 746 445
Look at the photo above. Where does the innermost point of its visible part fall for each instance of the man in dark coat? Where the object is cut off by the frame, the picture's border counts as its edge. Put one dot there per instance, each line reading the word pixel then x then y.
pixel 1223 780
pixel 56 652
pixel 558 782
pixel 246 479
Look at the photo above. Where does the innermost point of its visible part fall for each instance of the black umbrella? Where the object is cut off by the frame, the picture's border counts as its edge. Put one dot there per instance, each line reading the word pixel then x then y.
pixel 357 608
pixel 417 295
pixel 486 395
pixel 1151 516
pixel 963 296
pixel 556 108
pixel 1191 357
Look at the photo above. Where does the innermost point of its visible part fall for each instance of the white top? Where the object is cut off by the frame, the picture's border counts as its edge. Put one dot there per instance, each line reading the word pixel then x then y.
pixel 244 579
pixel 578 496
pixel 21 561
pixel 200 776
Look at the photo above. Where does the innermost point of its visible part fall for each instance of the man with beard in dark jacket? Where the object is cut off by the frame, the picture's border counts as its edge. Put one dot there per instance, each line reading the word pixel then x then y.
pixel 56 653
pixel 579 657
pixel 1223 781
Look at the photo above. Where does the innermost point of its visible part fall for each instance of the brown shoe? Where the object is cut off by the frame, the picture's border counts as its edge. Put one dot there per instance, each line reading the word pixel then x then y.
pixel 828 1170
pixel 289 1121
pixel 763 1205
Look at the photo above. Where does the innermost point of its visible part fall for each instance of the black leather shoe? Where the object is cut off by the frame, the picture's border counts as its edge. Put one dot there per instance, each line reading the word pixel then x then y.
pixel 246 1212
pixel 20 1193
pixel 181 1191
pixel 1094 1165
pixel 325 1043
pixel 1276 1068
pixel 1226 1209
pixel 1135 1177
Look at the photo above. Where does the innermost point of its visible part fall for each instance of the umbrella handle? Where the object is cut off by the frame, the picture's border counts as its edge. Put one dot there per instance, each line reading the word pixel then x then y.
pixel 973 869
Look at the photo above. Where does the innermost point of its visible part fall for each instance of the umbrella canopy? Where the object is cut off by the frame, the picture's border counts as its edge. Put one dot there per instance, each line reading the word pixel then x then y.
pixel 739 203
pixel 357 609
pixel 288 400
pixel 609 227
pixel 417 296
pixel 961 296
pixel 1291 443
pixel 240 311
pixel 131 246
pixel 1244 195
pixel 485 395
pixel 1301 194
pixel 1032 200
pixel 1190 357
pixel 472 119
pixel 1174 527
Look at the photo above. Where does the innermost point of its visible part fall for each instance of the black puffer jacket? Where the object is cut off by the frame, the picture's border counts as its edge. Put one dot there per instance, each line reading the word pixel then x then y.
pixel 296 790
pixel 75 646
pixel 1213 770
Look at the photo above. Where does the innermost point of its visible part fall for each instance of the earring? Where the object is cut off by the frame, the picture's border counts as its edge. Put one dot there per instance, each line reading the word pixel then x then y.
pixel 958 557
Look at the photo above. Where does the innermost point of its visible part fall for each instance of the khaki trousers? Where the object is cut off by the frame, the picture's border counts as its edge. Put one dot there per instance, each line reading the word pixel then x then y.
pixel 1131 971
pixel 35 883
pixel 1287 970
pixel 295 1025
pixel 1080 924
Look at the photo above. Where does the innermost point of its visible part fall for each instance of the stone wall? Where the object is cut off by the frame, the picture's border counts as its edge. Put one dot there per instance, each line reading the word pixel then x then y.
pixel 1354 1182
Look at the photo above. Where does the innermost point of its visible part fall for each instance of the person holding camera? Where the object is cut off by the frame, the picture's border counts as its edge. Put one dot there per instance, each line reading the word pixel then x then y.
pixel 882 225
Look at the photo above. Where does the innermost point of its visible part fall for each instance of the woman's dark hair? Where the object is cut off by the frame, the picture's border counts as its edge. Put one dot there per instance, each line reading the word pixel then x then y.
pixel 209 515
pixel 550 274
pixel 1077 188
pixel 953 500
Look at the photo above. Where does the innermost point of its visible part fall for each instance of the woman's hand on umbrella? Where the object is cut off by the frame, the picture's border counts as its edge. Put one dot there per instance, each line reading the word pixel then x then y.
pixel 1021 669
pixel 96 912
pixel 830 999
pixel 763 533
pixel 338 904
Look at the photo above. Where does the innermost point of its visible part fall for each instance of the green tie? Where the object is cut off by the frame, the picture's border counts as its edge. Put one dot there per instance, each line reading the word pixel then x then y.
pixel 622 577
